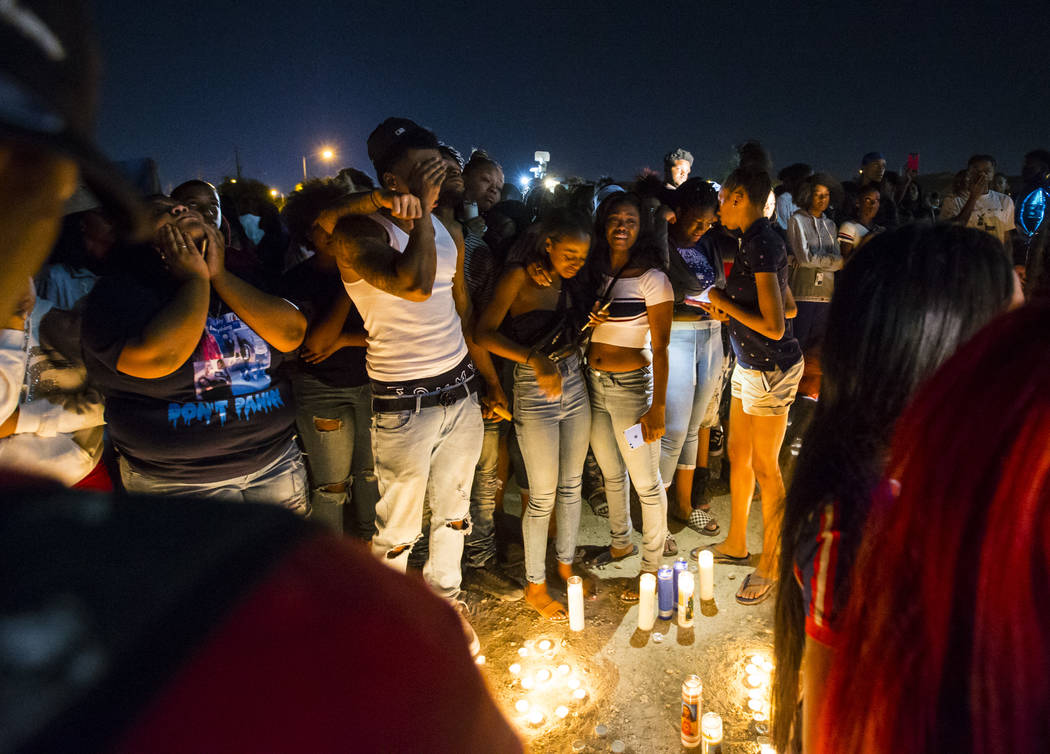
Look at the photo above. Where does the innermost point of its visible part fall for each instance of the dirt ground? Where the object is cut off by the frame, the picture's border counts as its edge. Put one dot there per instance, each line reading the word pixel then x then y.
pixel 632 680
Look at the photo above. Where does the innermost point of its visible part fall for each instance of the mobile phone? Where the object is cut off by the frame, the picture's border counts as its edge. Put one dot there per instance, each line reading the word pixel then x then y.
pixel 913 161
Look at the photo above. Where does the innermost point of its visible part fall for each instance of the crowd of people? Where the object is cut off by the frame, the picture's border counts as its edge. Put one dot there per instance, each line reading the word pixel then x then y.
pixel 383 355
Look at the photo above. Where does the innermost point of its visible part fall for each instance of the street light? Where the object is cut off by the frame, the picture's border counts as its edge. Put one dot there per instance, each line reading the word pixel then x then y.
pixel 327 154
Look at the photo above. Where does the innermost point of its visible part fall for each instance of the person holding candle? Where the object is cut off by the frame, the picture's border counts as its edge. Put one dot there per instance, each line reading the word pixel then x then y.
pixel 910 296
pixel 627 369
pixel 538 327
pixel 956 566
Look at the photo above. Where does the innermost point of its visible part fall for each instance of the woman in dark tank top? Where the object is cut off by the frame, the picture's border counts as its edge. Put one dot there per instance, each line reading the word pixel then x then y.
pixel 538 327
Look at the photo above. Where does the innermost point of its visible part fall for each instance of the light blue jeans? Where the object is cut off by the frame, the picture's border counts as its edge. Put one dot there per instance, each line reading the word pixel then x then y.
pixel 618 400
pixel 340 455
pixel 427 454
pixel 553 436
pixel 280 482
pixel 694 356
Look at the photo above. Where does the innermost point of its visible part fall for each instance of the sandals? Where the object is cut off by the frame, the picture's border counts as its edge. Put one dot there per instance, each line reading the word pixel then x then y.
pixel 553 611
pixel 599 504
pixel 753 579
pixel 605 557
pixel 721 557
pixel 670 546
pixel 700 521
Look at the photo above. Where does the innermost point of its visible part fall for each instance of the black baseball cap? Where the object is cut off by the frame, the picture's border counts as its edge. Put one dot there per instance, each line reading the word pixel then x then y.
pixel 392 137
pixel 49 66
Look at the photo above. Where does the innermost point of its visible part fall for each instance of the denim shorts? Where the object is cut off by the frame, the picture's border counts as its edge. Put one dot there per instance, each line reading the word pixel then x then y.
pixel 766 393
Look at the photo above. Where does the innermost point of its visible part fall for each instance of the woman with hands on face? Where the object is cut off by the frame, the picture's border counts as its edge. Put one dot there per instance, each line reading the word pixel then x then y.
pixel 627 377
pixel 187 356
pixel 538 326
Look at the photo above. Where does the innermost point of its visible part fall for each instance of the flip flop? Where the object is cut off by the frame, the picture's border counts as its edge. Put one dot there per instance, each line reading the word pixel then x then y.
pixel 698 521
pixel 753 579
pixel 629 596
pixel 601 507
pixel 721 557
pixel 605 557
pixel 553 611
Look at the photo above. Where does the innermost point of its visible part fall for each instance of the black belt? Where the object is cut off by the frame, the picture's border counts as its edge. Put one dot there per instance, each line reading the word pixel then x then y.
pixel 445 396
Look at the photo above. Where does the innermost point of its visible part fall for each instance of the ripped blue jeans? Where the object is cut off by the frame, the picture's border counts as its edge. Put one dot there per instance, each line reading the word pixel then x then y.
pixel 333 425
pixel 427 454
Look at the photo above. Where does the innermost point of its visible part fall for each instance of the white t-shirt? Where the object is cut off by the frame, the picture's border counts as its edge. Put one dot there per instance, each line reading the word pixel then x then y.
pixel 628 323
pixel 992 213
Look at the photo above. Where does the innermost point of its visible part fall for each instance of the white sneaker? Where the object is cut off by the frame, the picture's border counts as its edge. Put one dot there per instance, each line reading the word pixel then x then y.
pixel 473 642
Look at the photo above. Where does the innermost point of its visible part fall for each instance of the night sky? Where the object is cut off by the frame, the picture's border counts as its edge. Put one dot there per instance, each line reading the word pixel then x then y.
pixel 604 87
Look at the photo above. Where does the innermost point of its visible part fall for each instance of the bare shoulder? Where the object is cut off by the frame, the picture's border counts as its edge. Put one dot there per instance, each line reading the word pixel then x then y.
pixel 454 228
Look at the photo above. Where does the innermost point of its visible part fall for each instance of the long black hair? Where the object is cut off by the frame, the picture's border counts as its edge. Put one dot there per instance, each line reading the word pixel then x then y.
pixel 903 304
pixel 556 224
pixel 649 250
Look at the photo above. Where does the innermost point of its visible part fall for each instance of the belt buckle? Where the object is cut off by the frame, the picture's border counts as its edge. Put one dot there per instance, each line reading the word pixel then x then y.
pixel 447 398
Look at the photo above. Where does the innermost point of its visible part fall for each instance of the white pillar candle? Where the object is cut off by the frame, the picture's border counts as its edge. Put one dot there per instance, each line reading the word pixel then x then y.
pixel 646 601
pixel 685 599
pixel 706 564
pixel 575 603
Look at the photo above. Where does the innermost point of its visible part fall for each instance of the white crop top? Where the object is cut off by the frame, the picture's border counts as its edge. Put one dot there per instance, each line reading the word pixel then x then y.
pixel 628 323
pixel 412 339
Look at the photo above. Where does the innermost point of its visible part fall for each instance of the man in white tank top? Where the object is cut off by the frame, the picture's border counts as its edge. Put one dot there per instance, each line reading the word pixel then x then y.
pixel 406 278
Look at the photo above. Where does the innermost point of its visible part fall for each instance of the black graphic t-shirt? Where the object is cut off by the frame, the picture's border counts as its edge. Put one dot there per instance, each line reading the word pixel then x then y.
pixel 762 250
pixel 224 413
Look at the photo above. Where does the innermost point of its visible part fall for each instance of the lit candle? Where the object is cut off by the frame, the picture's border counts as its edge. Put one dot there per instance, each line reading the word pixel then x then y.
pixel 665 591
pixel 575 603
pixel 755 705
pixel 680 564
pixel 526 682
pixel 754 680
pixel 706 567
pixel 752 669
pixel 536 717
pixel 543 675
pixel 514 669
pixel 562 711
pixel 692 690
pixel 563 669
pixel 580 693
pixel 711 730
pixel 685 599
pixel 522 705
pixel 523 651
pixel 646 601
pixel 546 643
pixel 573 683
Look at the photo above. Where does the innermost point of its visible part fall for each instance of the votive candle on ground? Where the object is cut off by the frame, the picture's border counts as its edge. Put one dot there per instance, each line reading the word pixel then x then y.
pixel 685 599
pixel 575 603
pixel 706 568
pixel 646 601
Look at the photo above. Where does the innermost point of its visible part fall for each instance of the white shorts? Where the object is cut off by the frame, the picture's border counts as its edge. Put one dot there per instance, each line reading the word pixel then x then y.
pixel 766 393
